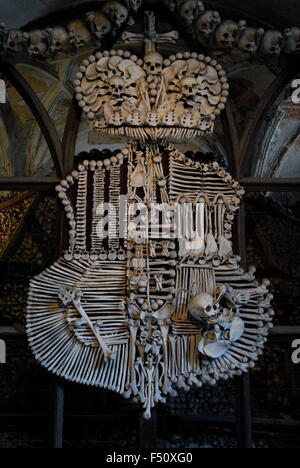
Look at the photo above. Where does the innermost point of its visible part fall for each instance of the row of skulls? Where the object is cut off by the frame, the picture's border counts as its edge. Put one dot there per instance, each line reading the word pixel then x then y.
pixel 208 28
pixel 78 33
pixel 204 24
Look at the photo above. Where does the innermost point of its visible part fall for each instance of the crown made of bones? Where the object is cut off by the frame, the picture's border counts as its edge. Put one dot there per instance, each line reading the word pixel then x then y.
pixel 180 96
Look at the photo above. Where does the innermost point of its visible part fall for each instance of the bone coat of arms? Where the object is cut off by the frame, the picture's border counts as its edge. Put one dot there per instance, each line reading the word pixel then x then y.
pixel 150 297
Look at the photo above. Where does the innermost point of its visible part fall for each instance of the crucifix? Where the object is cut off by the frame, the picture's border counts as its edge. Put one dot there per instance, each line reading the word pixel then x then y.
pixel 150 36
pixel 153 60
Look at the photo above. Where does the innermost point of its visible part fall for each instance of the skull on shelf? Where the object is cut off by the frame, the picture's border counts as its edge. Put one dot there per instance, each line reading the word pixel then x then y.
pixel 207 23
pixel 116 12
pixel 99 24
pixel 272 43
pixel 16 40
pixel 58 38
pixel 134 5
pixel 190 10
pixel 250 39
pixel 292 40
pixel 37 45
pixel 226 33
pixel 79 34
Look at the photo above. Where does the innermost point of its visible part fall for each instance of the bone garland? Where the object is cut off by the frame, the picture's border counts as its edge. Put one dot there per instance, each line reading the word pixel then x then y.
pixel 205 25
pixel 69 209
pixel 151 98
pixel 213 33
pixel 72 36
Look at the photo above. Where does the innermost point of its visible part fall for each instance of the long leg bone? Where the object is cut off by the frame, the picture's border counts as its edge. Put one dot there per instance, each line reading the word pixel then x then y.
pixel 73 296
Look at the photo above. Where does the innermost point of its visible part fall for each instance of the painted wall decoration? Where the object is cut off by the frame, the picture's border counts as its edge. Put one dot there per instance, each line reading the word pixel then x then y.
pixel 150 298
pixel 23 149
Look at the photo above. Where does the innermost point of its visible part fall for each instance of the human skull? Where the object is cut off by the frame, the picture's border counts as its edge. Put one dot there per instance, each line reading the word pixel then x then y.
pixel 249 39
pixel 117 86
pixel 226 34
pixel 15 40
pixel 207 23
pixel 99 23
pixel 171 4
pixel 37 45
pixel 79 34
pixel 292 40
pixel 188 88
pixel 153 63
pixel 204 307
pixel 134 5
pixel 58 38
pixel 190 10
pixel 272 43
pixel 116 12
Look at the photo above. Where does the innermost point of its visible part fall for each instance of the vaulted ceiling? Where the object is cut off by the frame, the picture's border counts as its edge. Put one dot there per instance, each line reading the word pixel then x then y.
pixel 280 13
pixel 275 150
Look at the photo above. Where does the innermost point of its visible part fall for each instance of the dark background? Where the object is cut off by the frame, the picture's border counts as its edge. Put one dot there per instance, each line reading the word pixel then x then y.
pixel 260 410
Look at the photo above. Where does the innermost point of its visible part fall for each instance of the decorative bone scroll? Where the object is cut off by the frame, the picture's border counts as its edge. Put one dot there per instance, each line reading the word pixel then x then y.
pixel 150 297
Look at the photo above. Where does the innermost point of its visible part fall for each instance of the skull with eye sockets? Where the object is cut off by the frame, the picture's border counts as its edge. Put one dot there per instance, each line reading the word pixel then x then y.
pixel 153 63
pixel 117 87
pixel 79 34
pixel 37 45
pixel 206 306
pixel 203 307
pixel 207 23
pixel 249 39
pixel 116 12
pixel 188 89
pixel 15 40
pixel 99 24
pixel 272 43
pixel 226 34
pixel 190 10
pixel 58 38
